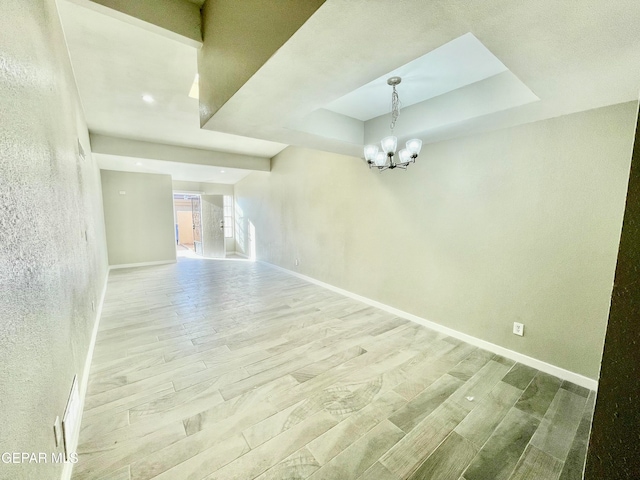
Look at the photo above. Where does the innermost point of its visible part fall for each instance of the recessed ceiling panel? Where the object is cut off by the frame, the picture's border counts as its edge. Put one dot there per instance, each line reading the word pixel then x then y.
pixel 460 62
pixel 494 94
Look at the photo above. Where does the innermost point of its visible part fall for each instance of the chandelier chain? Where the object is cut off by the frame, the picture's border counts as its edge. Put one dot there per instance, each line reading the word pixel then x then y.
pixel 395 108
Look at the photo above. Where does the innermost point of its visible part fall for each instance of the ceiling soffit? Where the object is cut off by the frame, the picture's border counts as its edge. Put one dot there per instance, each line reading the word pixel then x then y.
pixel 188 172
pixel 116 63
pixel 239 38
pixel 558 58
pixel 320 82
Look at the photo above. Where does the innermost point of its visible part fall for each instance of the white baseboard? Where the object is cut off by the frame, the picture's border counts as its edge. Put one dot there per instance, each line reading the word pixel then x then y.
pixel 142 264
pixel 68 467
pixel 240 254
pixel 573 377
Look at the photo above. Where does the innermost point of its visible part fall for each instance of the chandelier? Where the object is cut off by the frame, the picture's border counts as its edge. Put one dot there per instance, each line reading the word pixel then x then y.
pixel 386 158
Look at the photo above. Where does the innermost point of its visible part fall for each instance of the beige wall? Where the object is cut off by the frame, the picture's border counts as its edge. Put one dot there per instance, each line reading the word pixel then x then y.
pixel 184 220
pixel 182 205
pixel 53 256
pixel 519 225
pixel 140 225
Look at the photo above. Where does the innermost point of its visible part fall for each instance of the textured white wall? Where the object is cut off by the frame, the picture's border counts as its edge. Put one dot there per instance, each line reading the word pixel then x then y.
pixel 49 271
pixel 520 224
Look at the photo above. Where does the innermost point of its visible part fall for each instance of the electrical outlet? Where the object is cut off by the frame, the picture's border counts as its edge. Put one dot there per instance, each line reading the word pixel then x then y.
pixel 297 262
pixel 518 329
pixel 93 306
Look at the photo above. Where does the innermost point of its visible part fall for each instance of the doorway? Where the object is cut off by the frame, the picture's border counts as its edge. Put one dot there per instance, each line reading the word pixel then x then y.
pixel 188 225
pixel 199 225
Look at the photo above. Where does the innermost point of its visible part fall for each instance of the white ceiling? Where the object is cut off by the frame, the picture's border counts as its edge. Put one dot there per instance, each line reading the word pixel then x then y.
pixel 115 63
pixel 467 67
pixel 573 56
pixel 458 63
pixel 179 171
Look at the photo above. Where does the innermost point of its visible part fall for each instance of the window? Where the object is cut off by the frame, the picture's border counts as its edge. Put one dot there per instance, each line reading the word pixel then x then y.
pixel 228 216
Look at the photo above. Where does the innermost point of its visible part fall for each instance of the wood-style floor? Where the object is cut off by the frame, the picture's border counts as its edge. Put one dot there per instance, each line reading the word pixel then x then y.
pixel 235 370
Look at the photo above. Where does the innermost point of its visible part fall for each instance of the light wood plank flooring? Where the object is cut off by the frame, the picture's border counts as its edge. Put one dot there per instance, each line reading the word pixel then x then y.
pixel 234 370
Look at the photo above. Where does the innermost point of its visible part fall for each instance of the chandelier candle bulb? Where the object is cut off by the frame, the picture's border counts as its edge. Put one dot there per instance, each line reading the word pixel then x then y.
pixel 370 152
pixel 389 145
pixel 414 146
